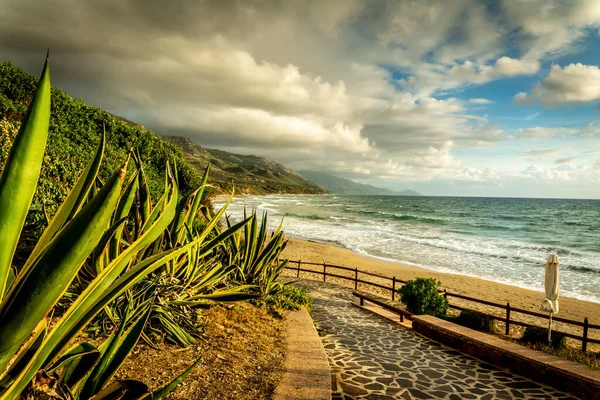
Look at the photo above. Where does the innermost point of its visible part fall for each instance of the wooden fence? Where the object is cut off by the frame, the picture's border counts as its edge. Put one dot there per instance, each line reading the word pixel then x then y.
pixel 584 338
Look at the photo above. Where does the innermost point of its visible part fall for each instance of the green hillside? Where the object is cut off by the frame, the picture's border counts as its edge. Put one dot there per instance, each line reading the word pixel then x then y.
pixel 339 185
pixel 75 130
pixel 249 174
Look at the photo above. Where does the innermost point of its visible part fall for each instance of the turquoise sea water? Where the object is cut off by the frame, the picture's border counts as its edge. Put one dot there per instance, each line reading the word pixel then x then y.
pixel 505 240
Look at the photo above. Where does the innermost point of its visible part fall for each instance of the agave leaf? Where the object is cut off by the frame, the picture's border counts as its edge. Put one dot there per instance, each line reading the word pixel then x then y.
pixel 163 391
pixel 122 390
pixel 76 363
pixel 100 250
pixel 95 296
pixel 39 287
pixel 105 279
pixel 237 293
pixel 118 349
pixel 25 354
pixel 10 278
pixel 144 191
pixel 262 235
pixel 180 215
pixel 122 211
pixel 198 198
pixel 74 352
pixel 155 211
pixel 173 330
pixel 73 202
pixel 21 172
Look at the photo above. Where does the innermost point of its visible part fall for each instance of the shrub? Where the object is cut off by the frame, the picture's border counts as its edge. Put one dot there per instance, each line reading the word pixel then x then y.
pixel 421 296
pixel 290 298
pixel 475 320
pixel 539 336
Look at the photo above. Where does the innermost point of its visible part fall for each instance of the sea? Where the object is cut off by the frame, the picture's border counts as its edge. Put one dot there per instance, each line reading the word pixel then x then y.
pixel 500 239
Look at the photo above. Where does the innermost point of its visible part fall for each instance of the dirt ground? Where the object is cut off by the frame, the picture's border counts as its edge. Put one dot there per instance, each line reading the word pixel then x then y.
pixel 242 350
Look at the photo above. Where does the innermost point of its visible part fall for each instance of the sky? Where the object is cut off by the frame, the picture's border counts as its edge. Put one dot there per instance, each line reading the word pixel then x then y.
pixel 447 97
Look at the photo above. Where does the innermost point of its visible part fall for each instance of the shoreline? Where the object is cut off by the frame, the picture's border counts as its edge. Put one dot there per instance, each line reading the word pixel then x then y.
pixel 571 308
pixel 402 265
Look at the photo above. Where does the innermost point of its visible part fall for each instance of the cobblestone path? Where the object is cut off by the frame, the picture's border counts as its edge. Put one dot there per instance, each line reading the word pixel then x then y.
pixel 372 358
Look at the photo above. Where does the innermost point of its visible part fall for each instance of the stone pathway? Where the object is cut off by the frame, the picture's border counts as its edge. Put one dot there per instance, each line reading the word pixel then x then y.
pixel 372 358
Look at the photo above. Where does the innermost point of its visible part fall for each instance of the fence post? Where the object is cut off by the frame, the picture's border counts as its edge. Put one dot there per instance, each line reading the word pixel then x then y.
pixel 324 271
pixel 401 317
pixel 298 274
pixel 446 294
pixel 355 278
pixel 393 288
pixel 507 318
pixel 585 335
pixel 362 301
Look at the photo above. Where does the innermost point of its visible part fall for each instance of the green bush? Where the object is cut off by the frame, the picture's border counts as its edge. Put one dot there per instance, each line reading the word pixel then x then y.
pixel 539 336
pixel 421 296
pixel 474 320
pixel 288 298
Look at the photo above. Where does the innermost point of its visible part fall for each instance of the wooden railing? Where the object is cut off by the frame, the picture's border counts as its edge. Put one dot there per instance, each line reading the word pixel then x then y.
pixel 296 265
pixel 402 313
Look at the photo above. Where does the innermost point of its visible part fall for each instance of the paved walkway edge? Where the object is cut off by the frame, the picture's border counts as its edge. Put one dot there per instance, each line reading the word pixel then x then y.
pixel 547 369
pixel 307 374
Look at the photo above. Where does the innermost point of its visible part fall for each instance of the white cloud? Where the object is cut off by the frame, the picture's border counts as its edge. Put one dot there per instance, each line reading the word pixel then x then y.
pixel 504 67
pixel 539 132
pixel 522 98
pixel 591 130
pixel 566 160
pixel 481 101
pixel 541 153
pixel 550 26
pixel 575 83
pixel 546 174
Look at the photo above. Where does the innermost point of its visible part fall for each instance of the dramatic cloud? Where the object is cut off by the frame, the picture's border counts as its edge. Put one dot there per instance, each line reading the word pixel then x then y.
pixel 575 83
pixel 371 89
pixel 551 27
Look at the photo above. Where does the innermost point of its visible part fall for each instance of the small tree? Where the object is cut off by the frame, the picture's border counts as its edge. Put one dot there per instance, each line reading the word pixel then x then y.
pixel 421 296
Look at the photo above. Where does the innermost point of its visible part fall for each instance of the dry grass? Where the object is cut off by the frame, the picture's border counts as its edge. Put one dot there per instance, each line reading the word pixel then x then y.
pixel 242 351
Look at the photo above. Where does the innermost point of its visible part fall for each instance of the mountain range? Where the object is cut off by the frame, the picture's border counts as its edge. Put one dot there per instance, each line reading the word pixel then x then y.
pixel 247 173
pixel 339 185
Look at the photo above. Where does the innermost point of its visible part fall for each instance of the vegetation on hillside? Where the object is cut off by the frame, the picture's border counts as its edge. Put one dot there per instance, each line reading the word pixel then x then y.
pixel 75 129
pixel 112 259
pixel 249 174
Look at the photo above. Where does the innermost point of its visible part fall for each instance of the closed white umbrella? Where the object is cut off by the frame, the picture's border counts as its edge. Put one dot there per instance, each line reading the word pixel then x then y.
pixel 552 285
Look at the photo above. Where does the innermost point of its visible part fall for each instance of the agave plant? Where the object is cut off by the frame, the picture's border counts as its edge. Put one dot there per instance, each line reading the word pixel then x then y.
pixel 186 282
pixel 256 255
pixel 34 353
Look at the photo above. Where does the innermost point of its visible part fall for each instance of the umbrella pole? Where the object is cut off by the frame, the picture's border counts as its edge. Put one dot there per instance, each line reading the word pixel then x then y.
pixel 550 329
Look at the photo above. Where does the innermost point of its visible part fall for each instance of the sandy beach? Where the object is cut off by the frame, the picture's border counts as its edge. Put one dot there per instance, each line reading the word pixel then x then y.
pixel 310 251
